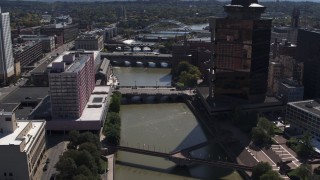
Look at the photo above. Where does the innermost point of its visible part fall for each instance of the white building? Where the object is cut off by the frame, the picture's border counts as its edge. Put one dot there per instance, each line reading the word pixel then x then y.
pixel 6 55
pixel 22 145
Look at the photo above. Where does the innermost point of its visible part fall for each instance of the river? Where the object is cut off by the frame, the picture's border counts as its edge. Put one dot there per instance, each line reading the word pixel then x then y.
pixel 161 127
pixel 139 76
pixel 164 127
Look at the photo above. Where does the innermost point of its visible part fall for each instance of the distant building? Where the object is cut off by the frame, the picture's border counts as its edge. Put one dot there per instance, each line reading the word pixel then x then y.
pixel 289 33
pixel 28 52
pixel 63 19
pixel 39 75
pixel 290 91
pixel 103 72
pixel 304 116
pixel 283 65
pixel 6 55
pixel 308 52
pixel 46 18
pixel 71 82
pixel 241 46
pixel 121 13
pixel 110 32
pixel 48 42
pixel 22 146
pixel 89 42
pixel 63 33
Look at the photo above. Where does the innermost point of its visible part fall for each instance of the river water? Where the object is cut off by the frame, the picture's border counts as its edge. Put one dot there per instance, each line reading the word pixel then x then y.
pixel 139 76
pixel 161 127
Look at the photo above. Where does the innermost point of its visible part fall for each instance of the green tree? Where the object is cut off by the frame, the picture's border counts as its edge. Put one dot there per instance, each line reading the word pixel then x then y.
pixel 114 118
pixel 67 168
pixel 305 148
pixel 114 105
pixel 271 175
pixel 113 136
pixel 260 169
pixel 304 171
pixel 259 136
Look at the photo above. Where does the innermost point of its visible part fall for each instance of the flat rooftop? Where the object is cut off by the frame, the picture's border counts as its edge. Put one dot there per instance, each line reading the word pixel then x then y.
pixel 60 57
pixel 96 104
pixel 12 138
pixel 92 117
pixel 26 94
pixel 310 106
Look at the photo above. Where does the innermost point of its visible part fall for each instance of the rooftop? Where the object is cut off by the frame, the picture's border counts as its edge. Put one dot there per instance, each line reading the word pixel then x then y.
pixel 13 139
pixel 310 106
pixel 18 48
pixel 96 104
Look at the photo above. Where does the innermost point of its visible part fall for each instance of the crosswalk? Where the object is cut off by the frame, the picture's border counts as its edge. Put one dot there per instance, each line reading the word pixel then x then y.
pixel 285 155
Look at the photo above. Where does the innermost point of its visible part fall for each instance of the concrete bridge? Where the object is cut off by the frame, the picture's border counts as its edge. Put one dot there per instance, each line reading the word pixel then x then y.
pixel 123 47
pixel 137 59
pixel 145 94
pixel 183 157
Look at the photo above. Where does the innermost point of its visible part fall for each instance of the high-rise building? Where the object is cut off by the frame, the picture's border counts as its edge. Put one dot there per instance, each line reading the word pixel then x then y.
pixel 308 52
pixel 71 82
pixel 6 55
pixel 241 43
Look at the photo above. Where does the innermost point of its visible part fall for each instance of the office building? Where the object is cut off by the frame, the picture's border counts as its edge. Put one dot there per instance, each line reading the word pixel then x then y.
pixel 308 52
pixel 290 91
pixel 48 42
pixel 71 81
pixel 6 55
pixel 304 116
pixel 241 44
pixel 62 32
pixel 28 52
pixel 89 42
pixel 22 146
pixel 283 65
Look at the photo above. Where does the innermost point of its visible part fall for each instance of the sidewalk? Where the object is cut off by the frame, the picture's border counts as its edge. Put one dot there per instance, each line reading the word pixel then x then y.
pixel 110 167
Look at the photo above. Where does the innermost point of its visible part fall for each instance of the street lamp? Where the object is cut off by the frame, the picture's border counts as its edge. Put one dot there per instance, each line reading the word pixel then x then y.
pixel 135 84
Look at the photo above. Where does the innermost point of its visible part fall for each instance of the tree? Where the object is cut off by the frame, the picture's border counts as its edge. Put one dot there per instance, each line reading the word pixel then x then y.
pixel 304 171
pixel 113 136
pixel 305 148
pixel 270 175
pixel 260 169
pixel 259 136
pixel 113 118
pixel 66 167
pixel 114 105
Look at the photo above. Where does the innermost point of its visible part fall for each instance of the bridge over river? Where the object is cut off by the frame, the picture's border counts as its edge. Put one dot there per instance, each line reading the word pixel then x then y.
pixel 183 157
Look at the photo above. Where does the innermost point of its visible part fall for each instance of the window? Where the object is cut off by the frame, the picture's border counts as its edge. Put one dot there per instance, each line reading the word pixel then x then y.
pixel 10 174
pixel 8 119
pixel 5 174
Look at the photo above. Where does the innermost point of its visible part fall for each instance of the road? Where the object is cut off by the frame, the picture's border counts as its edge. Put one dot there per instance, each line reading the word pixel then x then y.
pixel 56 145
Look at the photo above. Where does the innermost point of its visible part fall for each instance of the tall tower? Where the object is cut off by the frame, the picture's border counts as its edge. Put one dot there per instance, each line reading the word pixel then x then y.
pixel 295 17
pixel 6 56
pixel 241 44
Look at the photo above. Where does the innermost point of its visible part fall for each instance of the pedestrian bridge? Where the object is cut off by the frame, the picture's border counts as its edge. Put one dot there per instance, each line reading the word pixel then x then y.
pixel 183 157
